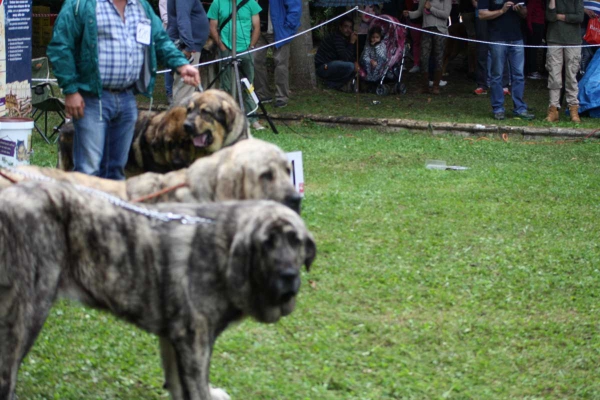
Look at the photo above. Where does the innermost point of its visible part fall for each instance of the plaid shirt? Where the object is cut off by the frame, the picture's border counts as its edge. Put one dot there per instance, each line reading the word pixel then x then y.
pixel 120 56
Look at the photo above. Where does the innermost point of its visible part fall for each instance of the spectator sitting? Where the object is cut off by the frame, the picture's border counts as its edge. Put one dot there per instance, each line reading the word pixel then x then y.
pixel 335 60
pixel 372 61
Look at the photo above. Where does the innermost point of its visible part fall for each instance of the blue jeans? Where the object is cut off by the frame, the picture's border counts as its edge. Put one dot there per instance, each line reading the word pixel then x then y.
pixel 516 60
pixel 103 135
pixel 169 84
pixel 337 73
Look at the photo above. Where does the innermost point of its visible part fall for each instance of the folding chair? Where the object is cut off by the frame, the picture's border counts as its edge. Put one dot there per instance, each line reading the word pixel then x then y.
pixel 43 99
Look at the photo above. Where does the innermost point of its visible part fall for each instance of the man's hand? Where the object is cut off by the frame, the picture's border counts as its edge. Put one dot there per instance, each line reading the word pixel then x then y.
pixel 373 63
pixel 590 13
pixel 187 54
pixel 356 67
pixel 561 17
pixel 405 13
pixel 189 74
pixel 353 37
pixel 74 105
pixel 428 5
pixel 507 6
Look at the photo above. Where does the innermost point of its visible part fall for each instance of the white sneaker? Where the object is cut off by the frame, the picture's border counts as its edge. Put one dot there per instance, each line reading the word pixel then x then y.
pixel 257 126
pixel 414 69
pixel 442 83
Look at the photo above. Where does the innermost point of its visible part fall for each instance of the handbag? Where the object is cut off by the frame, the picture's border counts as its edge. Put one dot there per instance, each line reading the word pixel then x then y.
pixel 592 33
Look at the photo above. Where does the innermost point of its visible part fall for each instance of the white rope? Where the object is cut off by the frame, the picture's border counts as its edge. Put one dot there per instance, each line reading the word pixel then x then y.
pixel 474 40
pixel 373 16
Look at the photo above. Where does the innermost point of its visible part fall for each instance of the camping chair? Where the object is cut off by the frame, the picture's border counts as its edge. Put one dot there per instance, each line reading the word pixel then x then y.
pixel 43 99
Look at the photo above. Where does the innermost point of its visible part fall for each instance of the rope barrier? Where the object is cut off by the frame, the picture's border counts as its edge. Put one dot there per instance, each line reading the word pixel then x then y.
pixel 372 16
pixel 475 40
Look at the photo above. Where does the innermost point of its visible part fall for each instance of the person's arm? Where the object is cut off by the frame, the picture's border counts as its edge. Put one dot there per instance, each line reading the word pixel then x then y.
pixel 255 30
pixel 61 53
pixel 184 24
pixel 164 15
pixel 213 26
pixel 551 15
pixel 293 12
pixel 444 12
pixel 417 13
pixel 577 16
pixel 486 14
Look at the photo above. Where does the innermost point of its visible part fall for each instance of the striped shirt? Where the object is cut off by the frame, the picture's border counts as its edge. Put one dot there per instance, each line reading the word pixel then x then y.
pixel 120 56
pixel 592 5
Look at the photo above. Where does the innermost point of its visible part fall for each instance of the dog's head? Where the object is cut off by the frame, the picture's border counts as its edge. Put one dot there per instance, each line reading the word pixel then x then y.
pixel 249 170
pixel 171 146
pixel 214 120
pixel 265 260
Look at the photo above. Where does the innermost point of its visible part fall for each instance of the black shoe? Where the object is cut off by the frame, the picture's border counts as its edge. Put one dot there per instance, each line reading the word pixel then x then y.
pixel 280 104
pixel 499 116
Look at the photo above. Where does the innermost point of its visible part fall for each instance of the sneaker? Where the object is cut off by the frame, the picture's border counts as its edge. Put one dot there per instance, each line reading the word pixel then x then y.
pixel 499 116
pixel 257 126
pixel 479 91
pixel 506 91
pixel 442 83
pixel 414 69
pixel 535 76
pixel 266 100
pixel 524 115
pixel 280 104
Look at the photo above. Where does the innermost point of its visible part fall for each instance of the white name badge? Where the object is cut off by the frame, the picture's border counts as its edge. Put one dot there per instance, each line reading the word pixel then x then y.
pixel 143 33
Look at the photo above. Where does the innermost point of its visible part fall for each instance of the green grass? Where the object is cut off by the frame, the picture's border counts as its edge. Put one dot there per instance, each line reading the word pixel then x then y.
pixel 478 284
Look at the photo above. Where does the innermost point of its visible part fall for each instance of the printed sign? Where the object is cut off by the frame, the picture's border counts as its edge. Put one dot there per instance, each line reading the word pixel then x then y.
pixel 295 159
pixel 15 57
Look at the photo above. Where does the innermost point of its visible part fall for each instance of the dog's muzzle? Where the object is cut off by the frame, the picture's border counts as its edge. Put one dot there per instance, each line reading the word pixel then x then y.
pixel 201 140
pixel 293 201
pixel 286 285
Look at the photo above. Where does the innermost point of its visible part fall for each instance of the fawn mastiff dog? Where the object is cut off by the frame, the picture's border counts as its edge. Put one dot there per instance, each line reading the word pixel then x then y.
pixel 184 282
pixel 248 170
pixel 173 139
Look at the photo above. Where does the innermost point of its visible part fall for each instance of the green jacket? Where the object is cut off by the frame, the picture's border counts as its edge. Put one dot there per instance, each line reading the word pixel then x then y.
pixel 567 31
pixel 73 50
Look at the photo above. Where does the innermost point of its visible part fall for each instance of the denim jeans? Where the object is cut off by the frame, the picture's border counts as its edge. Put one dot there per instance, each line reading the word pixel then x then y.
pixel 337 73
pixel 103 135
pixel 516 59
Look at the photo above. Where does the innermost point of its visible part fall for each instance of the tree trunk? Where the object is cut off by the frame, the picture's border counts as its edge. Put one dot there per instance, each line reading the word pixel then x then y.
pixel 302 58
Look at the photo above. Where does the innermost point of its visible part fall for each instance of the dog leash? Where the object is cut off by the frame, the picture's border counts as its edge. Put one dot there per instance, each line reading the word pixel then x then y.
pixel 7 177
pixel 161 216
pixel 159 193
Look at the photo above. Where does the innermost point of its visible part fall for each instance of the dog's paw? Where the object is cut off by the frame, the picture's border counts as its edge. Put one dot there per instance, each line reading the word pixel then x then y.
pixel 218 394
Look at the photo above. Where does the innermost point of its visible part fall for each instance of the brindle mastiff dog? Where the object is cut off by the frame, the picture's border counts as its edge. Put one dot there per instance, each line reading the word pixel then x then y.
pixel 173 139
pixel 182 282
pixel 248 170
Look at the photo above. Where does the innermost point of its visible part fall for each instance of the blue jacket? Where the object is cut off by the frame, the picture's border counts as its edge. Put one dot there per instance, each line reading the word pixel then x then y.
pixel 73 50
pixel 285 16
pixel 188 23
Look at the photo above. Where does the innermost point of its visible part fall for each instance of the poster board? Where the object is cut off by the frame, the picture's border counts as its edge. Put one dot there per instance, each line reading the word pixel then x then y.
pixel 295 158
pixel 15 58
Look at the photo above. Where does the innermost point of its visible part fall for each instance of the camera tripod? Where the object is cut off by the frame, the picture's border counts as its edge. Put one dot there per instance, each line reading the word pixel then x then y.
pixel 237 80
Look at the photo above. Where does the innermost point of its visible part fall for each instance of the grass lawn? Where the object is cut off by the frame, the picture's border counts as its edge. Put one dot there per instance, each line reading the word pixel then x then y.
pixel 476 284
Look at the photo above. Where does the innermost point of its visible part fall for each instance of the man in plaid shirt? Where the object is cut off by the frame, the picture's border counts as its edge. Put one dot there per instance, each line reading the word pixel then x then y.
pixel 103 52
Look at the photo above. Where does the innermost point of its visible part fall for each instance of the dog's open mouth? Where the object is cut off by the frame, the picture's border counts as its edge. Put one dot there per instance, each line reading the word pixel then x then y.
pixel 204 139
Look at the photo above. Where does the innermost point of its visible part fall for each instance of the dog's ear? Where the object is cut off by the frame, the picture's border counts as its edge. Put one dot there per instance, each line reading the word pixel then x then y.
pixel 238 268
pixel 230 181
pixel 310 251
